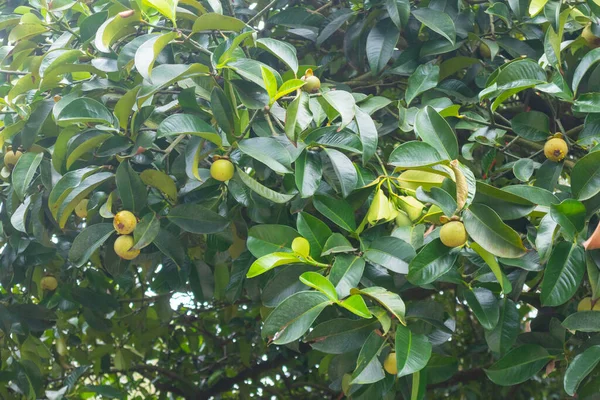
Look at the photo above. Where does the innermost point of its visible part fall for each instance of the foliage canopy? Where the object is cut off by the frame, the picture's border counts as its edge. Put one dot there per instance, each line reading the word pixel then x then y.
pixel 318 250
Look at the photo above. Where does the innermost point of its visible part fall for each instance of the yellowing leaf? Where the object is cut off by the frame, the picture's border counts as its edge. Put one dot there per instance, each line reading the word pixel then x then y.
pixel 160 181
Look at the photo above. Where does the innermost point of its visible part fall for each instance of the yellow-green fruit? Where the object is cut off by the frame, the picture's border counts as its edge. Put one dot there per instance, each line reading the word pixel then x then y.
pixel 411 206
pixel 592 40
pixel 301 246
pixel 555 149
pixel 124 222
pixel 222 170
pixel 312 84
pixel 390 365
pixel 81 208
pixel 402 219
pixel 453 234
pixel 49 283
pixel 586 305
pixel 484 50
pixel 61 346
pixel 11 158
pixel 123 247
pixel 346 379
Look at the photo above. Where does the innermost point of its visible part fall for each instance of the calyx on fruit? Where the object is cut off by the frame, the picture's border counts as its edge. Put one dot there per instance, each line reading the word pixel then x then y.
pixel 312 82
pixel 124 247
pixel 301 246
pixel 555 149
pixel 49 283
pixel 222 170
pixel 124 222
pixel 390 365
pixel 11 158
pixel 453 234
pixel 81 208
pixel 586 305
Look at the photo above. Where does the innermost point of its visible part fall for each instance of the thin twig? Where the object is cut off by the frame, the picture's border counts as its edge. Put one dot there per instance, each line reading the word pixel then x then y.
pixel 261 12
pixel 7 72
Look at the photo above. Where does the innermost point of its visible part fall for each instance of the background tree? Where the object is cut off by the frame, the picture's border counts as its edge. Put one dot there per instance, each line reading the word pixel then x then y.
pixel 300 199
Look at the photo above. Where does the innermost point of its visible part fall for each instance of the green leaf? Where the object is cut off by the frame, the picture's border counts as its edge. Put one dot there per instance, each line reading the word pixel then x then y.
pixel 91 142
pixel 132 190
pixel 24 171
pixel 34 125
pixel 346 272
pixel 195 218
pixel 161 181
pixel 424 78
pixel 344 170
pixel 412 351
pixel 263 191
pixel 585 177
pixel 532 125
pixel 145 231
pixel 563 275
pixel 381 42
pixel 437 21
pixel 270 261
pixel 88 241
pixel 308 173
pixel 368 134
pixel 337 243
pixel 320 283
pixel 146 54
pixel 292 318
pixel 165 7
pixel 435 131
pixel 344 103
pixel 338 211
pixel 356 304
pixel 518 365
pixel 587 103
pixel 264 239
pixel 170 245
pixel 84 111
pixel 222 110
pixel 583 321
pixel 340 335
pixel 291 118
pixel 113 29
pixel 270 151
pixel 66 204
pixel 432 262
pixel 414 154
pixel 180 124
pixel 253 96
pixel 484 305
pixel 368 368
pixel 581 366
pixel 440 198
pixel 587 62
pixel 523 169
pixel 391 253
pixel 217 22
pixel 288 87
pixel 491 261
pixel 503 336
pixel 315 231
pixel 487 229
pixel 282 50
pixel 570 215
pixel 391 301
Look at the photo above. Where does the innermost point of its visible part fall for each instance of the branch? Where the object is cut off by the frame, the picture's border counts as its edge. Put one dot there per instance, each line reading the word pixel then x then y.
pixel 7 72
pixel 261 12
pixel 227 384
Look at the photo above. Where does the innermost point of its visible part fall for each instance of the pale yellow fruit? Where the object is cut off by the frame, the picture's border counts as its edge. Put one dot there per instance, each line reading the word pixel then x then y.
pixel 402 219
pixel 61 346
pixel 301 246
pixel 586 305
pixel 123 247
pixel 390 365
pixel 49 283
pixel 124 222
pixel 222 170
pixel 312 84
pixel 11 158
pixel 453 234
pixel 555 149
pixel 81 208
